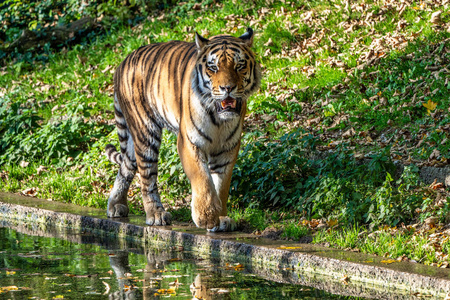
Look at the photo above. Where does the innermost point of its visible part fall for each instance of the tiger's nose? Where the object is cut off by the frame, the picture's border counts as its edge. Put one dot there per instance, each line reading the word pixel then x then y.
pixel 227 88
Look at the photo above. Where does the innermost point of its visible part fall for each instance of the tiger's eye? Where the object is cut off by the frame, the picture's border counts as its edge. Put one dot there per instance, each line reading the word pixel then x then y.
pixel 240 66
pixel 213 68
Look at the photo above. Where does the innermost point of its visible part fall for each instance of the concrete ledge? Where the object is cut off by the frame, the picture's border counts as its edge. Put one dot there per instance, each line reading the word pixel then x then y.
pixel 429 174
pixel 310 265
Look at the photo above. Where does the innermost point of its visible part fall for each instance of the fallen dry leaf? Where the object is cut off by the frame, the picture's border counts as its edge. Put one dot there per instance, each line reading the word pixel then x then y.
pixel 345 279
pixel 436 17
pixel 435 154
pixel 431 221
pixel 107 288
pixel 32 192
pixel 166 291
pixel 174 259
pixel 349 133
pixel 176 283
pixel 332 222
pixel 24 164
pixel 388 261
pixel 430 106
pixel 436 185
pixel 9 288
pixel 288 248
pixel 239 267
pixel 41 169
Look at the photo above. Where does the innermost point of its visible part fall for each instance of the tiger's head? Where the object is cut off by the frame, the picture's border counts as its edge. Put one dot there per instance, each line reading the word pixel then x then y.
pixel 226 73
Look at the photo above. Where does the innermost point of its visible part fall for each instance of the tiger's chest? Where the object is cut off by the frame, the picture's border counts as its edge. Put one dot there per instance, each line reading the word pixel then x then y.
pixel 210 134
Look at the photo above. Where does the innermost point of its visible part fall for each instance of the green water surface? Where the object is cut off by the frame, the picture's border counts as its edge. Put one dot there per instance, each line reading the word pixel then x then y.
pixel 33 267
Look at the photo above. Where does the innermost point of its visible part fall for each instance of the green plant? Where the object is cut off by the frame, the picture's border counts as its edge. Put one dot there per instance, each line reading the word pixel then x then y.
pixel 52 142
pixel 15 122
pixel 295 231
pixel 270 171
pixel 251 218
pixel 172 179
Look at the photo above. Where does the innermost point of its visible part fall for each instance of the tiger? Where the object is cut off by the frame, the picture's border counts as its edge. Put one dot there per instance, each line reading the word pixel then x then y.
pixel 199 91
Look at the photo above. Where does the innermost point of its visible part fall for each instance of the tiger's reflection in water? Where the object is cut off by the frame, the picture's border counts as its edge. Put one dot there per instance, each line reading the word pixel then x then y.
pixel 127 282
pixel 199 288
pixel 121 267
pixel 150 288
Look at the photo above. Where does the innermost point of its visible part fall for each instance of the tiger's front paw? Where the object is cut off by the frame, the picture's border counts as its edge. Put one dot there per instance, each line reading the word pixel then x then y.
pixel 206 216
pixel 226 224
pixel 211 224
pixel 158 217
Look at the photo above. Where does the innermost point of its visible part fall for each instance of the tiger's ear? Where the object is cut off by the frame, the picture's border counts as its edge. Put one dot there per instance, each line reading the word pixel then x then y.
pixel 248 37
pixel 200 41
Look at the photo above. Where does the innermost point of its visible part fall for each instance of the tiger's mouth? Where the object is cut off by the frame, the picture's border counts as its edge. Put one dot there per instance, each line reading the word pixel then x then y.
pixel 229 104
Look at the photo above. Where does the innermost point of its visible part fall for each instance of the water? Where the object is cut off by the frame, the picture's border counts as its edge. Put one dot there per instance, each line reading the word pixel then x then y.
pixel 34 267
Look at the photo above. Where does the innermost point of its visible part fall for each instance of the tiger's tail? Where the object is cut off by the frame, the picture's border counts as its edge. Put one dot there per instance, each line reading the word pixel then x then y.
pixel 122 131
pixel 113 155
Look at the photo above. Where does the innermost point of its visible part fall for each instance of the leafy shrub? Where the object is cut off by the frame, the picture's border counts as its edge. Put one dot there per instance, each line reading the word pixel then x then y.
pixel 279 174
pixel 355 193
pixel 15 121
pixel 394 203
pixel 171 177
pixel 269 173
pixel 52 142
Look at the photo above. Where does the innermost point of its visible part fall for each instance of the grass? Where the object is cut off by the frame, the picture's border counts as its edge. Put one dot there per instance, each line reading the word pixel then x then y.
pixel 295 232
pixel 348 91
pixel 399 244
pixel 80 186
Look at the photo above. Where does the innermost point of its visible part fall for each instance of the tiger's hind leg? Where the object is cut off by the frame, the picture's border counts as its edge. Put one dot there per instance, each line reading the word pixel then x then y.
pixel 117 201
pixel 148 141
